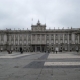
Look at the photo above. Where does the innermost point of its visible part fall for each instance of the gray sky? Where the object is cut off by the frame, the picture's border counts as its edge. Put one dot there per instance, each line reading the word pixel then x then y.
pixel 55 13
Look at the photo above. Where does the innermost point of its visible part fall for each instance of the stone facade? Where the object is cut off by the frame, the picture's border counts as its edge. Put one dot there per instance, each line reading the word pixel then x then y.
pixel 40 39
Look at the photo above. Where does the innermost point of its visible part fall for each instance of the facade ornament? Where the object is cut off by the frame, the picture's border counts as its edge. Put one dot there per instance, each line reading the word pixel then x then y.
pixel 38 21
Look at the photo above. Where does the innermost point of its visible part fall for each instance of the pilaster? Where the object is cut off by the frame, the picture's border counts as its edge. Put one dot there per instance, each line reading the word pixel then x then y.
pixel 68 38
pixel 63 37
pixel 54 38
pixel 73 38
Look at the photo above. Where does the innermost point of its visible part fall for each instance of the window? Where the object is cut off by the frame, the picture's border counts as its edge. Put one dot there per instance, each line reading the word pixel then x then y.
pixel 33 37
pixel 79 38
pixel 56 36
pixel 38 37
pixel 47 37
pixel 69 36
pixel 16 37
pixel 29 37
pixel 43 37
pixel 12 37
pixel 61 36
pixel 76 37
pixel 65 36
pixel 52 36
pixel 2 36
pixel 24 37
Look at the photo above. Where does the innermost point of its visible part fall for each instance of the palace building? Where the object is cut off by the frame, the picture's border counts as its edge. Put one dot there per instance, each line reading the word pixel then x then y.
pixel 40 39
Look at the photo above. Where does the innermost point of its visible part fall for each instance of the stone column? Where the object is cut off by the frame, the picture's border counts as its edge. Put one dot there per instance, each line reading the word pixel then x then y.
pixel 35 48
pixel 45 38
pixel 18 39
pixel 31 38
pixel 78 38
pixel 68 41
pixel 68 38
pixel 73 38
pixel 9 40
pixel 5 39
pixel 0 38
pixel 22 40
pixel 59 38
pixel 14 39
pixel 27 40
pixel 36 39
pixel 40 38
pixel 49 38
pixel 63 38
pixel 54 38
pixel 40 48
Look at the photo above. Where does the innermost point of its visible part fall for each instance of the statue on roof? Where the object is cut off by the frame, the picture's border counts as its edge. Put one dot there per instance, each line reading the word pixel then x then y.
pixel 38 22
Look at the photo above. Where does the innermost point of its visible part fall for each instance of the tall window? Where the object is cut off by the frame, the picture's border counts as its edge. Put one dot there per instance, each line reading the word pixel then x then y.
pixel 61 36
pixel 16 37
pixel 33 37
pixel 65 36
pixel 12 37
pixel 38 37
pixel 56 36
pixel 2 37
pixel 79 38
pixel 47 37
pixel 43 37
pixel 20 37
pixel 69 36
pixel 76 37
pixel 29 37
pixel 24 37
pixel 52 36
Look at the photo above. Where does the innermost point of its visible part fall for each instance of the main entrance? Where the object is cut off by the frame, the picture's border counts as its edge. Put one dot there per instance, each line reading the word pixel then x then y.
pixel 38 48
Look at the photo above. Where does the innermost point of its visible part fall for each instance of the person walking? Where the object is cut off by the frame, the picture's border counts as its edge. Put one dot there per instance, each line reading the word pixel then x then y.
pixel 56 50
pixel 21 50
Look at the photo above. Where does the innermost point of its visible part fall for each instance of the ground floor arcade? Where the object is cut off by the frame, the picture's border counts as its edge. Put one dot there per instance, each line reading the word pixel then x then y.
pixel 42 48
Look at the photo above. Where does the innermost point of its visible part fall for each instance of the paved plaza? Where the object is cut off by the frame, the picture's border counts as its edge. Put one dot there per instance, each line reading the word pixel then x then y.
pixel 40 66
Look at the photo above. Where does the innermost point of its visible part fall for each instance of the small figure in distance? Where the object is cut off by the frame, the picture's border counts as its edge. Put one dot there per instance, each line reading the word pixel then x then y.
pixel 76 49
pixel 53 51
pixel 56 51
pixel 21 50
pixel 9 51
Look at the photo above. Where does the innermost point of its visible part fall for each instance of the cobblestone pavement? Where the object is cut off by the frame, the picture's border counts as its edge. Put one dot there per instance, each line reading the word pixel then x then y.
pixel 40 66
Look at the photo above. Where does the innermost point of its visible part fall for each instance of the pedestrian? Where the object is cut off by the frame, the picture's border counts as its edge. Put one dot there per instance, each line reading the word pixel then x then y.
pixel 56 50
pixel 77 49
pixel 21 50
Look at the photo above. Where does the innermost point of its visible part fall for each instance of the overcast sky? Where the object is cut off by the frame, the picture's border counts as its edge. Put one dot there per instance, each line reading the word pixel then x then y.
pixel 55 13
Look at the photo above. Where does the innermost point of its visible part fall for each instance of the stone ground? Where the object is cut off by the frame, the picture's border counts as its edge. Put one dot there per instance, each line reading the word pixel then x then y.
pixel 40 66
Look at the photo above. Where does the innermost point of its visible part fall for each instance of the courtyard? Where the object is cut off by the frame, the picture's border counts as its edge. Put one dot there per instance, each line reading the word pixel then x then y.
pixel 40 66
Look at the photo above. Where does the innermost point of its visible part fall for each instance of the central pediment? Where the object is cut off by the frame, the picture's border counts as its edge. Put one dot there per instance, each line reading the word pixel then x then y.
pixel 38 27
